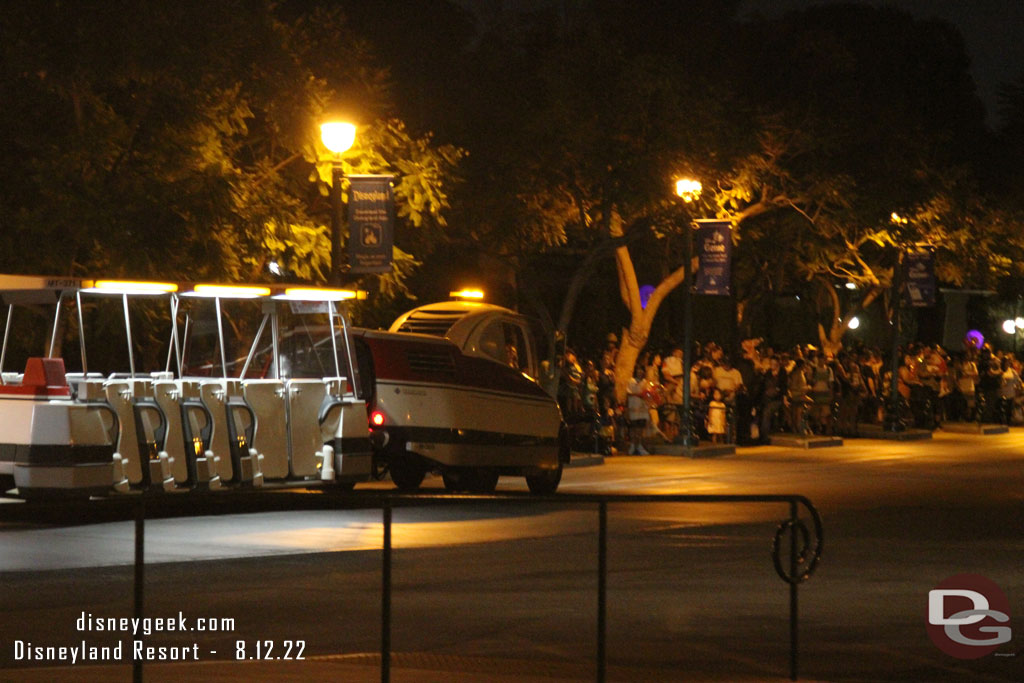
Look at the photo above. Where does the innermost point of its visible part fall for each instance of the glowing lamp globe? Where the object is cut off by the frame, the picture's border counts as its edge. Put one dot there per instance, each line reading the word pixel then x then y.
pixel 688 189
pixel 338 137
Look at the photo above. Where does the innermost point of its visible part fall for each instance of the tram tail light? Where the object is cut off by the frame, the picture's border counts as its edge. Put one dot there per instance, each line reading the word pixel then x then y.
pixel 376 419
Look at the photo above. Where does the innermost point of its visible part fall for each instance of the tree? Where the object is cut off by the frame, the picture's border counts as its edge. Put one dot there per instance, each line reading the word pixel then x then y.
pixel 179 140
pixel 863 112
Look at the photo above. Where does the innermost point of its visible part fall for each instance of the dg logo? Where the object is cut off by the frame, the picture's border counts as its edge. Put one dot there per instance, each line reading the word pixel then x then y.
pixel 965 613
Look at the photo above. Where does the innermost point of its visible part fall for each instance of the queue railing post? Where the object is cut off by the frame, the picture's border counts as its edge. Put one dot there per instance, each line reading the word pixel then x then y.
pixel 385 617
pixel 140 577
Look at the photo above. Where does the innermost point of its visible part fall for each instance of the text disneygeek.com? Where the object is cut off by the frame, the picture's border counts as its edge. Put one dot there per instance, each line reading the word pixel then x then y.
pixel 136 649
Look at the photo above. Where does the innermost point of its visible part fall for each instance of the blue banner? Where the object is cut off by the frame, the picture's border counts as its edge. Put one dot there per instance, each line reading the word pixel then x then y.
pixel 919 277
pixel 714 253
pixel 371 222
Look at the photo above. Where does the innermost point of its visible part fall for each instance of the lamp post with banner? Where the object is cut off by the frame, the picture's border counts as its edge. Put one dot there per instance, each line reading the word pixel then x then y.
pixel 688 190
pixel 337 137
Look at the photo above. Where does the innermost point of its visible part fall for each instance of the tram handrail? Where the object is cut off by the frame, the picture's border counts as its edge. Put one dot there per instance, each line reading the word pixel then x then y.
pixel 804 546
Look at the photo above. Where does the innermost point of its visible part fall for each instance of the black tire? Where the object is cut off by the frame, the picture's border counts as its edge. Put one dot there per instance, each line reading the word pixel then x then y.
pixel 545 482
pixel 407 471
pixel 454 481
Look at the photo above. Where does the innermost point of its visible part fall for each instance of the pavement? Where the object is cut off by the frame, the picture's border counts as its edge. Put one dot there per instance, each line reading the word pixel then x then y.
pixel 899 516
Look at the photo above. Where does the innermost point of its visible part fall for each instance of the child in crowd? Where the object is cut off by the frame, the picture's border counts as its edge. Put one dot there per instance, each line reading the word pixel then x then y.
pixel 716 417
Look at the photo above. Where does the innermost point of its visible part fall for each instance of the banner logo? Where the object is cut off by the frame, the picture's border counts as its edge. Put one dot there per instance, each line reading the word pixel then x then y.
pixel 371 215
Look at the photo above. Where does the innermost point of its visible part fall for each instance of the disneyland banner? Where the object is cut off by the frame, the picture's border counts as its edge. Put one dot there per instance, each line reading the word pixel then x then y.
pixel 371 221
pixel 714 252
pixel 919 277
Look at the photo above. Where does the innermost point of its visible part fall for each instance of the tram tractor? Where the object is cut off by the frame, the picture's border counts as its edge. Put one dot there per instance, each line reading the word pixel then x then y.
pixel 456 393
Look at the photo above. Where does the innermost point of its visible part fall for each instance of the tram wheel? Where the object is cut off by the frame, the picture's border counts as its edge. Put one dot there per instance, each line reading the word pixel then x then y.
pixel 407 472
pixel 545 482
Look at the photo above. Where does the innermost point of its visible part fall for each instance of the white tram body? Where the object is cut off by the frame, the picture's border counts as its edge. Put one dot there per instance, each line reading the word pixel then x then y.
pixel 455 392
pixel 450 389
pixel 184 428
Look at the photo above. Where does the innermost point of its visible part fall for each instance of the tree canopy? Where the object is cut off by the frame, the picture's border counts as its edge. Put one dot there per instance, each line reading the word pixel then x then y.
pixel 181 140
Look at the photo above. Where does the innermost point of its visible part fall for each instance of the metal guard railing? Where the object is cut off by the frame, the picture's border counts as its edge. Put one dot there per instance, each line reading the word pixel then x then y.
pixel 795 549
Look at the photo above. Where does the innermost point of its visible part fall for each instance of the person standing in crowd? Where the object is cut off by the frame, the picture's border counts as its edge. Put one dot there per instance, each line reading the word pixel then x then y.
pixel 966 373
pixel 611 351
pixel 991 377
pixel 728 379
pixel 773 392
pixel 636 410
pixel 822 395
pixel 570 390
pixel 796 393
pixel 1009 391
pixel 716 417
pixel 672 384
pixel 852 391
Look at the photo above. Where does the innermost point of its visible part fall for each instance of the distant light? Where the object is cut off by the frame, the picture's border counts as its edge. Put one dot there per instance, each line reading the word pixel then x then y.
pixel 1009 326
pixel 851 285
pixel 338 136
pixel 645 295
pixel 130 287
pixel 320 294
pixel 467 294
pixel 229 291
pixel 898 219
pixel 854 323
pixel 688 189
pixel 274 268
pixel 377 418
pixel 1019 322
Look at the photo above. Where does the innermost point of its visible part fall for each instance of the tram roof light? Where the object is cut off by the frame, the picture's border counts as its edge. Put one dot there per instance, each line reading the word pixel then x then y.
pixel 320 294
pixel 477 294
pixel 129 287
pixel 229 291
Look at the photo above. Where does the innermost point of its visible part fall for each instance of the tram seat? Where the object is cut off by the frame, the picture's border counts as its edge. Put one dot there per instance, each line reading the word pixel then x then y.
pixel 343 425
pixel 233 427
pixel 188 431
pixel 142 434
pixel 87 386
pixel 267 398
pixel 306 396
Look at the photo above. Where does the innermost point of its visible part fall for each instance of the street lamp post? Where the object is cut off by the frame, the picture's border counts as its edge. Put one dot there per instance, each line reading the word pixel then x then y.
pixel 688 190
pixel 337 137
pixel 897 285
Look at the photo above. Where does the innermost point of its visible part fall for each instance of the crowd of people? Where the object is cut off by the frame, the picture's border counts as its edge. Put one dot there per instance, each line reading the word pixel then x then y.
pixel 804 390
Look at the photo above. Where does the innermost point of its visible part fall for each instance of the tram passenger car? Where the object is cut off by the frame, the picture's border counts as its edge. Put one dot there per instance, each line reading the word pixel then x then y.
pixel 289 416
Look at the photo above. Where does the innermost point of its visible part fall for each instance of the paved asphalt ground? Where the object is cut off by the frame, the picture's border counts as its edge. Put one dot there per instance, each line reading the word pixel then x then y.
pixel 509 594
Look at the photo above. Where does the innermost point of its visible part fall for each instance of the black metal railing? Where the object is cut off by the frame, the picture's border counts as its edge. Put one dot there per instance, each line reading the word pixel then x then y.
pixel 795 548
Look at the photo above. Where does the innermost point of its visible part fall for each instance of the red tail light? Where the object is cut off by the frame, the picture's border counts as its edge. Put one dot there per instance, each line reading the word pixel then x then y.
pixel 377 419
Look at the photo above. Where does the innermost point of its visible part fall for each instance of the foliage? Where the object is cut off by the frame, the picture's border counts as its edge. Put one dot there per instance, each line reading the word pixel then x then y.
pixel 179 140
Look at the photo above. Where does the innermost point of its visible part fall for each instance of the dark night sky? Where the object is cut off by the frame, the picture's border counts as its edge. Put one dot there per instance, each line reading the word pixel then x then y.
pixel 993 31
